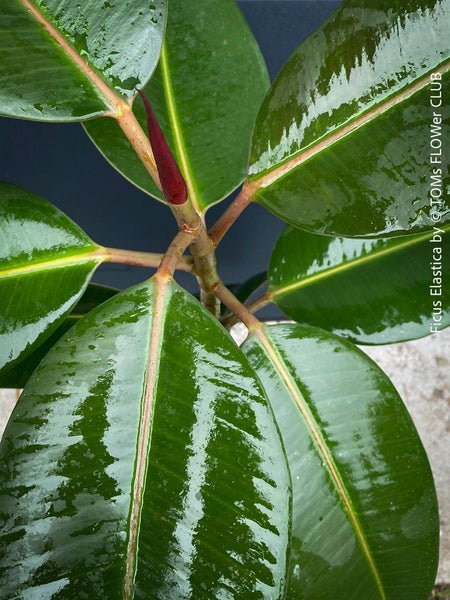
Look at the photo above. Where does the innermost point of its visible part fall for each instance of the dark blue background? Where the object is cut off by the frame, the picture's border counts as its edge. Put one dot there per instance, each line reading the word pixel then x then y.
pixel 58 162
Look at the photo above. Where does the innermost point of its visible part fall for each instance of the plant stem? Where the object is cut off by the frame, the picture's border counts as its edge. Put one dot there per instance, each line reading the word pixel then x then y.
pixel 259 303
pixel 188 219
pixel 253 307
pixel 144 259
pixel 221 226
pixel 231 302
pixel 202 250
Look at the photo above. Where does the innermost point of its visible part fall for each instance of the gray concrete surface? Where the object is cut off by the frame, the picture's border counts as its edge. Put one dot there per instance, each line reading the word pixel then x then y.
pixel 420 371
pixel 8 399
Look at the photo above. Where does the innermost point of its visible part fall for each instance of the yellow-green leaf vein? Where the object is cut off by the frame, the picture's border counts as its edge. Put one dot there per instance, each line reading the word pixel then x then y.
pixel 177 129
pixel 98 255
pixel 408 241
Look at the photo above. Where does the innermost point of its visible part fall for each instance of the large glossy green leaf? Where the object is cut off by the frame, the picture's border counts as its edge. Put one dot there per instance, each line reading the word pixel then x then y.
pixel 370 291
pixel 67 61
pixel 365 520
pixel 206 92
pixel 46 262
pixel 17 377
pixel 142 460
pixel 342 144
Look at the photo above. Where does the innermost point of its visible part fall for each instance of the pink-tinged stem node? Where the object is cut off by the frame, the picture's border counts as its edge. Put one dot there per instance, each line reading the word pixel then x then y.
pixel 172 181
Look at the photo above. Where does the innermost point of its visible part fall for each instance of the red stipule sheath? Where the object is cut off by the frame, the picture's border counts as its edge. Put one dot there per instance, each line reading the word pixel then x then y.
pixel 172 182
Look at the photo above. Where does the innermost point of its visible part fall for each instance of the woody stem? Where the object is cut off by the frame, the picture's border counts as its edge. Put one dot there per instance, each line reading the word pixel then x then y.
pixel 203 252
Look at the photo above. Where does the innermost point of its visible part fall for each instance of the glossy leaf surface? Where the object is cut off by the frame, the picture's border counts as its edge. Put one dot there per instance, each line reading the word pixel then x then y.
pixel 342 143
pixel 157 469
pixel 46 262
pixel 365 520
pixel 205 93
pixel 370 291
pixel 59 57
pixel 17 376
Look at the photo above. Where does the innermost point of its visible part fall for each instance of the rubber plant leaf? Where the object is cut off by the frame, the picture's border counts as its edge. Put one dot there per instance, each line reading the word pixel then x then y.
pixel 369 291
pixel 17 377
pixel 46 262
pixel 157 469
pixel 365 519
pixel 348 141
pixel 205 93
pixel 68 61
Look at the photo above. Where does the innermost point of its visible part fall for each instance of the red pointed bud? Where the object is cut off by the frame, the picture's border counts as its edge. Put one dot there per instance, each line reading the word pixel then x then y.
pixel 172 181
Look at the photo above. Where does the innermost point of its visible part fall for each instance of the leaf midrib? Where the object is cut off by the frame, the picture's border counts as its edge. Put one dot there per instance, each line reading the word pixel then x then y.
pixel 98 255
pixel 338 269
pixel 273 175
pixel 280 366
pixel 160 300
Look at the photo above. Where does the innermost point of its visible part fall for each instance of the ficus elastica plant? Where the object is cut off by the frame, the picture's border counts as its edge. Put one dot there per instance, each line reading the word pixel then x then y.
pixel 149 455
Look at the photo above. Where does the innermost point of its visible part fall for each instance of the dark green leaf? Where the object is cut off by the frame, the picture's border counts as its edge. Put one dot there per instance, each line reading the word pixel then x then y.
pixel 18 376
pixel 46 262
pixel 67 61
pixel 365 519
pixel 142 460
pixel 342 141
pixel 371 291
pixel 205 94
